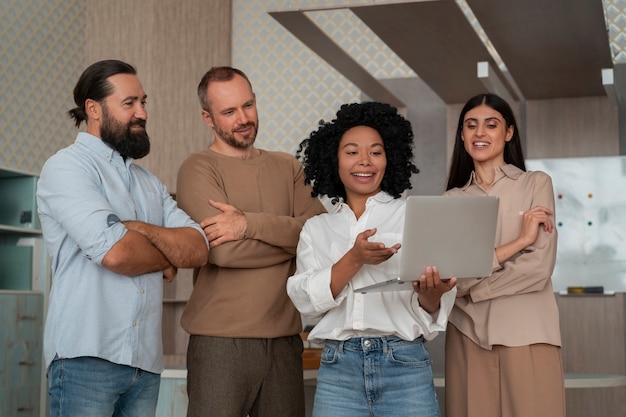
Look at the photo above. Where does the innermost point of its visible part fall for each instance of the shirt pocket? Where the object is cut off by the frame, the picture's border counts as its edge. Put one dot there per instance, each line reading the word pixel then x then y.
pixel 150 209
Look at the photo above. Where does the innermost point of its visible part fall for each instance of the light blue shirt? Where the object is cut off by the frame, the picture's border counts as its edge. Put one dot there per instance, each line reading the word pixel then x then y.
pixel 84 193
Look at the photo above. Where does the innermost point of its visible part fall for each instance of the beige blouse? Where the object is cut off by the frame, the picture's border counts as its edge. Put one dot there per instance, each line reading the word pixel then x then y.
pixel 515 306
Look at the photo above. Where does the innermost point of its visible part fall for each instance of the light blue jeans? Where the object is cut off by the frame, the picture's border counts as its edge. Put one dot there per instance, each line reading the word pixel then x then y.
pixel 375 377
pixel 93 387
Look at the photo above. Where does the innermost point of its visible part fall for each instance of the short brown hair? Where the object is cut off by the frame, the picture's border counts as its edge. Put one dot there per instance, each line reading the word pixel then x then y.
pixel 216 74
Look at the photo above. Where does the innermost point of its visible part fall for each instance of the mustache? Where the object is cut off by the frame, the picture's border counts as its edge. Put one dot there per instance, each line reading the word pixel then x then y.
pixel 137 122
pixel 244 127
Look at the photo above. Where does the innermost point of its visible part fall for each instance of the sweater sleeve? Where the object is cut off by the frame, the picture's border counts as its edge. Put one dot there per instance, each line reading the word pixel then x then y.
pixel 270 238
pixel 284 231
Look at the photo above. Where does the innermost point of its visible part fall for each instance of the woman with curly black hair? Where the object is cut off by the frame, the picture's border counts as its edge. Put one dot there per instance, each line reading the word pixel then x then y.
pixel 319 152
pixel 374 362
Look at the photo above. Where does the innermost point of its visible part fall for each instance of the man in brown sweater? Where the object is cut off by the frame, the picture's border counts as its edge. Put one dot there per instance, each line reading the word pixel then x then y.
pixel 244 354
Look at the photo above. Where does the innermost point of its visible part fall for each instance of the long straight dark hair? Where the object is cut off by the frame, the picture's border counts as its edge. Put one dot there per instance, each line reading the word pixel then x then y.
pixel 462 164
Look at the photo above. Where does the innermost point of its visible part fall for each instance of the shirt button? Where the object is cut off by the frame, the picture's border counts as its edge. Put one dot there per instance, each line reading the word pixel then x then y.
pixel 134 324
pixel 367 343
pixel 143 291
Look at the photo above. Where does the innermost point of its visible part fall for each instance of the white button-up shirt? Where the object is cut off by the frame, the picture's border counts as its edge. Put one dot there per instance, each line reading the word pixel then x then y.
pixel 323 241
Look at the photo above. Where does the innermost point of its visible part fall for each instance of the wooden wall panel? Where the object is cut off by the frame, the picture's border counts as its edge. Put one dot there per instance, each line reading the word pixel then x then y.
pixel 172 44
pixel 574 127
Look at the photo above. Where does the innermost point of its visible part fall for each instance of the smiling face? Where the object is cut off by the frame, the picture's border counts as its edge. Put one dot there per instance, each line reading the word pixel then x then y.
pixel 120 120
pixel 484 135
pixel 233 114
pixel 361 162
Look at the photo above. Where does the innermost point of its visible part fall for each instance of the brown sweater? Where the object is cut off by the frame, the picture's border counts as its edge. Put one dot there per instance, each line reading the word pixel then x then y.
pixel 241 292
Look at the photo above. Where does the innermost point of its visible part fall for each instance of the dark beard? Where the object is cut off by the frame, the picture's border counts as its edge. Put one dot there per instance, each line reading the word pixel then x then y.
pixel 120 138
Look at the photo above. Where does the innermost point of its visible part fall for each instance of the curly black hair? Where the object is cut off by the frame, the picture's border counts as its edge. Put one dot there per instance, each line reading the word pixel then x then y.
pixel 318 153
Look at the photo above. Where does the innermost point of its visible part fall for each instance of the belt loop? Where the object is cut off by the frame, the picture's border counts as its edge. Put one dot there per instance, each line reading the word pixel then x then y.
pixel 340 346
pixel 385 347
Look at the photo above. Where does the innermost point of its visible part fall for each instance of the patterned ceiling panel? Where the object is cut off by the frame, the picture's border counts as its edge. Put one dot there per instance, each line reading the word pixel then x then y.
pixel 615 14
pixel 295 88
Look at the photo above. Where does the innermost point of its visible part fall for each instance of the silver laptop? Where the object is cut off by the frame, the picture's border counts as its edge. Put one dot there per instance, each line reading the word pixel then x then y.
pixel 455 234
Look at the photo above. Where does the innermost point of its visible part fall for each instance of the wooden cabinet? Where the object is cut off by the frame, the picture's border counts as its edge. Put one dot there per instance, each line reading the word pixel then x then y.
pixel 593 329
pixel 21 369
pixel 23 291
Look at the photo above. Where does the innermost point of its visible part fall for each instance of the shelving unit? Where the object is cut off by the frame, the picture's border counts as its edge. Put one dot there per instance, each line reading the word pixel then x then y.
pixel 24 284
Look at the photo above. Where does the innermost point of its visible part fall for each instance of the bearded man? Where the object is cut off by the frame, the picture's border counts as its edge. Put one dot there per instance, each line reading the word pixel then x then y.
pixel 115 235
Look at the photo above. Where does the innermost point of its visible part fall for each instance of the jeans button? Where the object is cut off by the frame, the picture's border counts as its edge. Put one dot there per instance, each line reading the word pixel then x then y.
pixel 367 343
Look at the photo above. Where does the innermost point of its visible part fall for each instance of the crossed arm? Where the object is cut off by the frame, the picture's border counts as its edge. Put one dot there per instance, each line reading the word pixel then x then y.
pixel 148 248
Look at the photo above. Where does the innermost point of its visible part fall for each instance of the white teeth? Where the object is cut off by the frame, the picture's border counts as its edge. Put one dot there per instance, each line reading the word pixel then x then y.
pixel 362 175
pixel 481 144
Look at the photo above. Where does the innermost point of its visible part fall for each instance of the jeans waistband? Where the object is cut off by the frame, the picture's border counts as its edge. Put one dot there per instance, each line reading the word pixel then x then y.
pixel 372 343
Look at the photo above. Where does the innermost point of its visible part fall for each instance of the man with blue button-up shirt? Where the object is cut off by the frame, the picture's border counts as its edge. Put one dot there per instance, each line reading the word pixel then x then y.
pixel 114 235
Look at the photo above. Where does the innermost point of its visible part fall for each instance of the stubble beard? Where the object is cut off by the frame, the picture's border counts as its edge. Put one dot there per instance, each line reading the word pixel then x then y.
pixel 229 137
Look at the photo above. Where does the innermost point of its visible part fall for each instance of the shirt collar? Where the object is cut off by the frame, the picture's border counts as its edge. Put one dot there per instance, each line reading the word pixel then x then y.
pixel 99 147
pixel 381 197
pixel 509 170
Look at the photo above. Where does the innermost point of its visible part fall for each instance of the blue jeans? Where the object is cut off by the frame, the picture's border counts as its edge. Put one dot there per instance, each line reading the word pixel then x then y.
pixel 93 387
pixel 375 376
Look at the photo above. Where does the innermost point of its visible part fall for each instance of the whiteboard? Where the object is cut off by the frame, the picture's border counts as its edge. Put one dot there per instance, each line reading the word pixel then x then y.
pixel 590 198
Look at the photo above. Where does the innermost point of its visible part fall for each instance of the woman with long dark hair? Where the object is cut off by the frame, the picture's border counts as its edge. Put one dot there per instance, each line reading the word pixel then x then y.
pixel 503 355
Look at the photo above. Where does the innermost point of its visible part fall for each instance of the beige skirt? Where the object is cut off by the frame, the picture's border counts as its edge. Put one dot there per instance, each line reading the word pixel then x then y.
pixel 525 381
